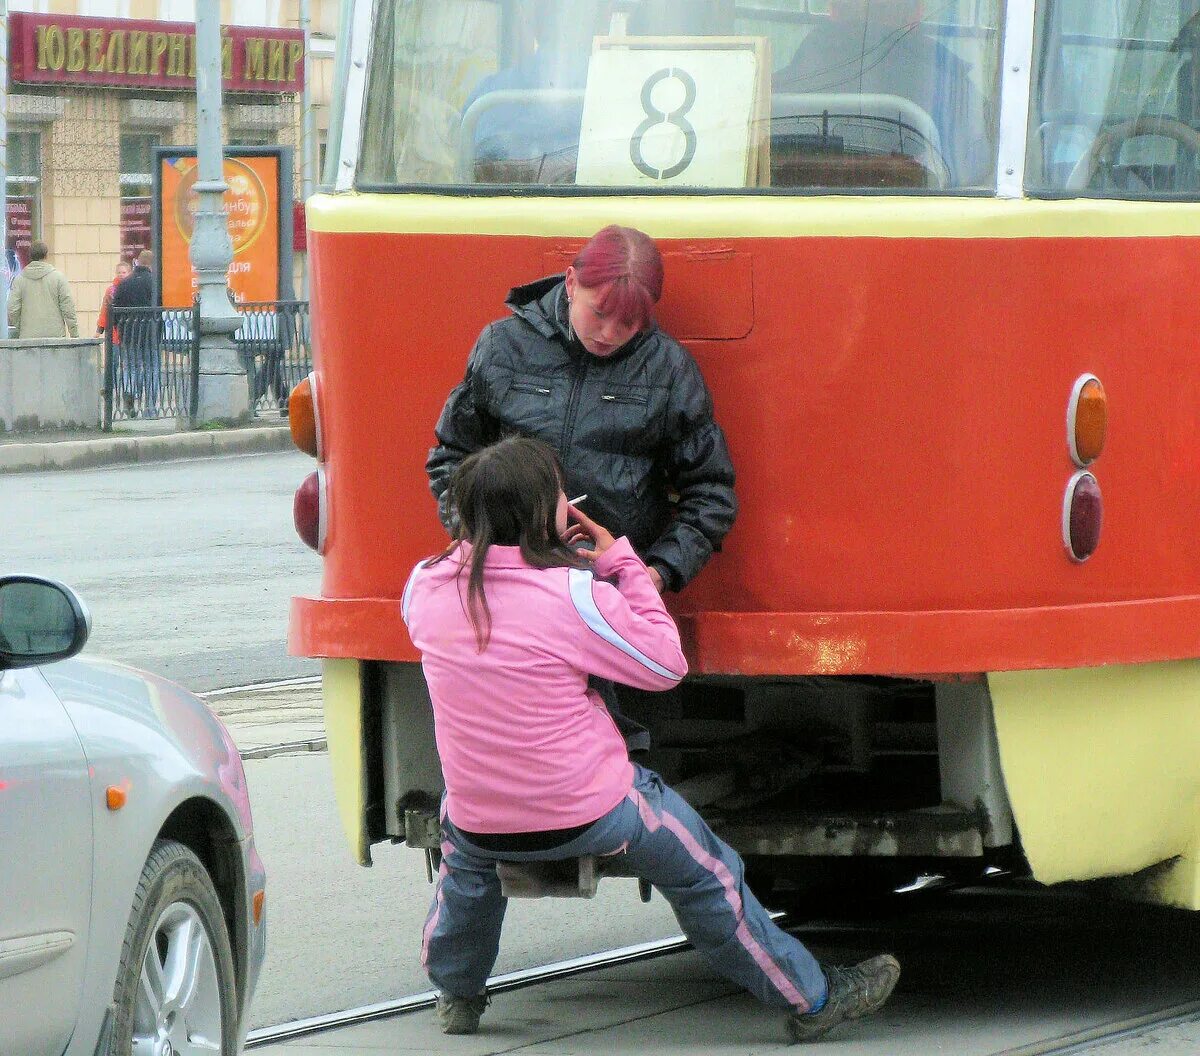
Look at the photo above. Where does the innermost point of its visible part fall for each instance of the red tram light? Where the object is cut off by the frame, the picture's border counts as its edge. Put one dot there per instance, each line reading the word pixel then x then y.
pixel 1083 516
pixel 304 417
pixel 1087 420
pixel 310 510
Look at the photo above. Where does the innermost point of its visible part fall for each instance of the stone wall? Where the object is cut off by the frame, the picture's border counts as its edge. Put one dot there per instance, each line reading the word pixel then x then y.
pixel 55 384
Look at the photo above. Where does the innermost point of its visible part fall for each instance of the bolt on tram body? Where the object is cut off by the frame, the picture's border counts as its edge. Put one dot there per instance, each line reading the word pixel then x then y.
pixel 938 265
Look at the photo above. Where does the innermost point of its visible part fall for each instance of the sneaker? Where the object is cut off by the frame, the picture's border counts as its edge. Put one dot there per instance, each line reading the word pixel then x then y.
pixel 853 993
pixel 460 1015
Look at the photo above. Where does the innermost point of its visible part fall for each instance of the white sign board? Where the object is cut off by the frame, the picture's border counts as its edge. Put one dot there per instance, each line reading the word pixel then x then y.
pixel 668 117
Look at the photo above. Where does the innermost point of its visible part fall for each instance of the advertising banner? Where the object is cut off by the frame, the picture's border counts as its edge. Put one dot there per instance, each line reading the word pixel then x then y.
pixel 259 215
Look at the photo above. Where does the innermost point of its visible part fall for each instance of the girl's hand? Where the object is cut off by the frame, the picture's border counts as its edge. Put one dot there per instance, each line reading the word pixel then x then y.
pixel 587 530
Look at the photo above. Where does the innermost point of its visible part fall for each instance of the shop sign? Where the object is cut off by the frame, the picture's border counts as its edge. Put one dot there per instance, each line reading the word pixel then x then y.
pixel 135 226
pixel 139 53
pixel 259 223
pixel 19 211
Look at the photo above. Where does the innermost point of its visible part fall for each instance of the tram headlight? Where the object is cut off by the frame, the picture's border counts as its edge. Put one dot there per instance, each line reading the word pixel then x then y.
pixel 310 508
pixel 304 417
pixel 1083 516
pixel 1087 420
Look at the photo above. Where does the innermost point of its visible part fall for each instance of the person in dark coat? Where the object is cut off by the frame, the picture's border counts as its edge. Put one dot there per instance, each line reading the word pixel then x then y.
pixel 581 365
pixel 139 335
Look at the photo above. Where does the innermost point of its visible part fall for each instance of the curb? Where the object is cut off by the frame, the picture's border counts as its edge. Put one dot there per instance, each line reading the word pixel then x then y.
pixel 130 450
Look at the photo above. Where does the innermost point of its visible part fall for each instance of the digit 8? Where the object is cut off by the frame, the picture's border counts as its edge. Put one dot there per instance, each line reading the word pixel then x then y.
pixel 654 116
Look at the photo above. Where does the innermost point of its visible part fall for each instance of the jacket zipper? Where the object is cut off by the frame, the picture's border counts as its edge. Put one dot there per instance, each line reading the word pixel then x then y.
pixel 573 406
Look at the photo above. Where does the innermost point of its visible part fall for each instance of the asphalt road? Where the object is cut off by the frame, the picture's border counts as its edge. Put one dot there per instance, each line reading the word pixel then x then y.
pixel 187 567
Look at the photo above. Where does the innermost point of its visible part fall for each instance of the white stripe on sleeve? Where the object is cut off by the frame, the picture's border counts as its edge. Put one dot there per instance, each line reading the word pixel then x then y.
pixel 580 580
pixel 407 595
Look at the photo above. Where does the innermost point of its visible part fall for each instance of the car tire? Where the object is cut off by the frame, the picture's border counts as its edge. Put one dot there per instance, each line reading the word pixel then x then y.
pixel 177 939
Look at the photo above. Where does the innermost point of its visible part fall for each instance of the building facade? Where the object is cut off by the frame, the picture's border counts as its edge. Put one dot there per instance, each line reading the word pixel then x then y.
pixel 96 85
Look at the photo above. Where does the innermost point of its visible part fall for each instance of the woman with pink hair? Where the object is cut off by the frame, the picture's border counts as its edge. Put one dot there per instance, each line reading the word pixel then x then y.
pixel 581 364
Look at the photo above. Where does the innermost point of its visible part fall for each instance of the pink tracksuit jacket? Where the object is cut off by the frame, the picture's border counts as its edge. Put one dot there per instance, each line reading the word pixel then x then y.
pixel 525 745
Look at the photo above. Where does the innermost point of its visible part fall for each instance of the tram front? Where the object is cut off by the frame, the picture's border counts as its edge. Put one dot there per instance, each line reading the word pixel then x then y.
pixel 917 251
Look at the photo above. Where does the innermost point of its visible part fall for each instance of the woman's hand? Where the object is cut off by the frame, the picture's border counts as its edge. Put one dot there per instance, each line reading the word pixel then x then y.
pixel 586 530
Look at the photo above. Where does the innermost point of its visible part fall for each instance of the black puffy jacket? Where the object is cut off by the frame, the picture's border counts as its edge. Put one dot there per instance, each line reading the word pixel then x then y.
pixel 632 430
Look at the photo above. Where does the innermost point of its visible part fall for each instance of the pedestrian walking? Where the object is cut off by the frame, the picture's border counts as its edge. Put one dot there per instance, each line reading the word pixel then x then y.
pixel 139 345
pixel 582 365
pixel 102 320
pixel 40 305
pixel 511 620
pixel 120 377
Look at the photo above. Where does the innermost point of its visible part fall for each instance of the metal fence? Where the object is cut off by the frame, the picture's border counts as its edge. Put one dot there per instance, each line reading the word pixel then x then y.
pixel 152 359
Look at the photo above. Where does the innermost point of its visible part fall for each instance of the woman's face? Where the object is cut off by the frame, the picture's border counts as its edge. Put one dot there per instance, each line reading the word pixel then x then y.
pixel 123 271
pixel 601 334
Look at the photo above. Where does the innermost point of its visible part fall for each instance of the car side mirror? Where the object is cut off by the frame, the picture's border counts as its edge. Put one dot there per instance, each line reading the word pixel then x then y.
pixel 40 621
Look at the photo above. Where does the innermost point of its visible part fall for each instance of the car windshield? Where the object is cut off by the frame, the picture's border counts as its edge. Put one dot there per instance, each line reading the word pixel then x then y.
pixel 1116 106
pixel 656 94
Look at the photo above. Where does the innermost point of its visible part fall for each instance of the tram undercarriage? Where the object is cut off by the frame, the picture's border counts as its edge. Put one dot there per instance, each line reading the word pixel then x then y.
pixel 826 781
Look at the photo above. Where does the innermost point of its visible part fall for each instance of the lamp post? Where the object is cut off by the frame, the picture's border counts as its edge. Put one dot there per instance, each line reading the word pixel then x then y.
pixel 308 154
pixel 5 277
pixel 224 395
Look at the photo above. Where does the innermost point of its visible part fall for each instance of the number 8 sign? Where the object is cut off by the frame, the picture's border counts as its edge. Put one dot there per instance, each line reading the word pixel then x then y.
pixel 681 116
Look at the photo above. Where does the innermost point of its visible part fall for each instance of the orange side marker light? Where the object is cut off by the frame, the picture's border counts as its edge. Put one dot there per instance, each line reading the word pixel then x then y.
pixel 1087 420
pixel 257 902
pixel 304 416
pixel 116 796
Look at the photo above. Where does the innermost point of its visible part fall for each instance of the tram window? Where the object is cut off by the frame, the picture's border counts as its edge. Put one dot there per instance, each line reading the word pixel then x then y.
pixel 897 95
pixel 1116 105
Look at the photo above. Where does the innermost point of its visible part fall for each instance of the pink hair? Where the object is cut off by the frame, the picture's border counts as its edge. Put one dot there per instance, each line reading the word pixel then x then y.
pixel 624 265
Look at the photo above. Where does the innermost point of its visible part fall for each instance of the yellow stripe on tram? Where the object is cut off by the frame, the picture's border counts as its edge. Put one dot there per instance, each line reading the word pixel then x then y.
pixel 730 216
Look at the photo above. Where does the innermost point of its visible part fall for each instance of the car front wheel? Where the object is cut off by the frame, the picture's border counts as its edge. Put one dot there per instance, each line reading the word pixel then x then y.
pixel 175 990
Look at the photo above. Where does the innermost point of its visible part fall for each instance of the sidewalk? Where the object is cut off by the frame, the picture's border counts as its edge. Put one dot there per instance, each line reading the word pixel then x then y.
pixel 133 442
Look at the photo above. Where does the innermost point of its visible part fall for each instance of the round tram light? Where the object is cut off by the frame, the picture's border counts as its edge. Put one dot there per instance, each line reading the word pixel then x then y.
pixel 1087 420
pixel 310 510
pixel 304 416
pixel 1083 516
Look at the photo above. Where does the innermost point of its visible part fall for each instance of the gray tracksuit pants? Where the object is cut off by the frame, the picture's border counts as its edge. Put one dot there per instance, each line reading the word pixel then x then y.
pixel 665 841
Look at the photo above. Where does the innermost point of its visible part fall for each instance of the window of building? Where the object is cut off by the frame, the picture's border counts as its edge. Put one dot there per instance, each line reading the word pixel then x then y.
pixel 177 10
pixel 137 184
pixel 255 13
pixel 24 214
pixel 104 8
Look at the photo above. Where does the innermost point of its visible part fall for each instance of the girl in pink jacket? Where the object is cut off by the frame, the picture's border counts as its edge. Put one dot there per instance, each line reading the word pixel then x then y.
pixel 511 620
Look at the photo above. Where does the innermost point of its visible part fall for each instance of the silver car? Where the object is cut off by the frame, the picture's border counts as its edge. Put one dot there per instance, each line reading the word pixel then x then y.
pixel 131 894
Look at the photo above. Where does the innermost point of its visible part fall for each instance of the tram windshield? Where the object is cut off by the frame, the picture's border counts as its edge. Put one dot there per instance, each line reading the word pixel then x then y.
pixel 1116 107
pixel 898 95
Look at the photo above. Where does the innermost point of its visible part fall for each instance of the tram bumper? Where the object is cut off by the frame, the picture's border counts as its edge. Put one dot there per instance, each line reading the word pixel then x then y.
pixel 1101 770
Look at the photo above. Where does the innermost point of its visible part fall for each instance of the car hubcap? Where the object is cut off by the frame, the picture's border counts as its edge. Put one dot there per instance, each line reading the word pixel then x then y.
pixel 178 1007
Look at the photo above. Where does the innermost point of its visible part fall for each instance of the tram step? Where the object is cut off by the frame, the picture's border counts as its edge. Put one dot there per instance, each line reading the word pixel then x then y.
pixel 933 832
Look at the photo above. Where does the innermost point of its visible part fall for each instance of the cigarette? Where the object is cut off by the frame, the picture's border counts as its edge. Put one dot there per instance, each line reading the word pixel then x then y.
pixel 576 502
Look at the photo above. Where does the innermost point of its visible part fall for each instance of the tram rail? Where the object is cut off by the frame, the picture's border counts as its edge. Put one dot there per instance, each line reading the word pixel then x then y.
pixel 499 984
pixel 1070 1044
pixel 1107 1033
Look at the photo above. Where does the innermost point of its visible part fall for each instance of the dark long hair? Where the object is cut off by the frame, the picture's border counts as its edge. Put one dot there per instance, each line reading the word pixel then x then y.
pixel 506 495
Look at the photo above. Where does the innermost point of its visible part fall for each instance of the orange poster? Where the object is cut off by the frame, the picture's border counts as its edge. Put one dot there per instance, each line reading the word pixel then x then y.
pixel 252 206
